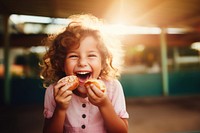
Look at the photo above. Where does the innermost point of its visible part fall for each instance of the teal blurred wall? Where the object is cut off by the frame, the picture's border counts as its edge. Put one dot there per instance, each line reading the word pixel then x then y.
pixel 141 84
pixel 31 91
pixel 180 83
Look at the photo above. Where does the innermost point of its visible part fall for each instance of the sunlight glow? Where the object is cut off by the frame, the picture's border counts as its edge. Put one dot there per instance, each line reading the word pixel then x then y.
pixel 196 46
pixel 38 49
pixel 37 19
pixel 126 30
pixel 33 24
pixel 140 48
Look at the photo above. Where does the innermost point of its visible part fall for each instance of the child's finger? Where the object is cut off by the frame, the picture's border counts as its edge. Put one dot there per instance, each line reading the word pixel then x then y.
pixel 68 98
pixel 57 88
pixel 91 91
pixel 96 91
pixel 66 93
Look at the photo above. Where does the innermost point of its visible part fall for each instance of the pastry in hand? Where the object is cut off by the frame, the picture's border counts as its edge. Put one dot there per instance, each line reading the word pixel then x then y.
pixel 98 83
pixel 71 80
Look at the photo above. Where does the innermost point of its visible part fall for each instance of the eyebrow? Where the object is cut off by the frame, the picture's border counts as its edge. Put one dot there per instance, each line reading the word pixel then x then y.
pixel 92 51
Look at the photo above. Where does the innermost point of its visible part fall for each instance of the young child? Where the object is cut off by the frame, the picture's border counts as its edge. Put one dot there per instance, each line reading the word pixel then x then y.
pixel 83 50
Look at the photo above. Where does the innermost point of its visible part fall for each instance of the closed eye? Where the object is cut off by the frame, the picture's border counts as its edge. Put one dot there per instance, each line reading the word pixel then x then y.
pixel 92 55
pixel 72 56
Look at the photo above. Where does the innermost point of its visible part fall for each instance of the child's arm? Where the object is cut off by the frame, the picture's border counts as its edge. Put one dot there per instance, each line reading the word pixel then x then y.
pixel 62 97
pixel 113 122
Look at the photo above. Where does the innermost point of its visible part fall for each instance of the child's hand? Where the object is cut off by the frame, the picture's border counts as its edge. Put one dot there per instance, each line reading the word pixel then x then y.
pixel 95 95
pixel 62 95
pixel 63 90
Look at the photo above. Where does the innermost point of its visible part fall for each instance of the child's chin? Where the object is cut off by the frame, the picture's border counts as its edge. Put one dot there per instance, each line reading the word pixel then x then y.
pixel 81 89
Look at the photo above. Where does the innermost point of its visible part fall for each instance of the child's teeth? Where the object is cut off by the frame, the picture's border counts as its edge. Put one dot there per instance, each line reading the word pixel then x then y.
pixel 82 72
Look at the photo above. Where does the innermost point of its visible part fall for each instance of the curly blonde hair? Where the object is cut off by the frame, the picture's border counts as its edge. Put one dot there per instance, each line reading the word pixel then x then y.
pixel 80 26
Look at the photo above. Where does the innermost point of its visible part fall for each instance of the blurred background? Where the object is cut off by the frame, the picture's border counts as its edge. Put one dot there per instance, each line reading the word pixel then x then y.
pixel 161 79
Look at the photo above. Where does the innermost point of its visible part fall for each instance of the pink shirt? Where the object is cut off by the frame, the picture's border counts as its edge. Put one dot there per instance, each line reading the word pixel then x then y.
pixel 84 117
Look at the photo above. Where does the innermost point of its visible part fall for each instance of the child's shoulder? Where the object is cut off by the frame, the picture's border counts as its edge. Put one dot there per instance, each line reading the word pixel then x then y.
pixel 50 88
pixel 112 82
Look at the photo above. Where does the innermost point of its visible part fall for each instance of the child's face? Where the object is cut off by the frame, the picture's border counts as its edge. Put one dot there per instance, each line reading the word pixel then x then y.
pixel 84 61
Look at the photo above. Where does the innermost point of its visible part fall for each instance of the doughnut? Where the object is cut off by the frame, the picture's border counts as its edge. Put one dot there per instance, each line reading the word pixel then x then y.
pixel 71 80
pixel 98 83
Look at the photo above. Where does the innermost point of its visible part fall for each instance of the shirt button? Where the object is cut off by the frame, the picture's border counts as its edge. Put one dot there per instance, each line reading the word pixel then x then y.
pixel 83 105
pixel 83 126
pixel 84 116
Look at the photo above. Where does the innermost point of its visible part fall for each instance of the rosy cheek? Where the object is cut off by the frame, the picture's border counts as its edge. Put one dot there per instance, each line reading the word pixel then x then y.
pixel 72 64
pixel 68 67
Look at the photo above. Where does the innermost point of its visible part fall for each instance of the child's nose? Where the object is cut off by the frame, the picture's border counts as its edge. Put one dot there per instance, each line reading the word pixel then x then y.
pixel 82 62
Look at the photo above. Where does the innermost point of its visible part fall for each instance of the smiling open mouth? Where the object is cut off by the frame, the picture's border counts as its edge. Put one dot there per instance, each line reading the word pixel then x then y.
pixel 83 76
